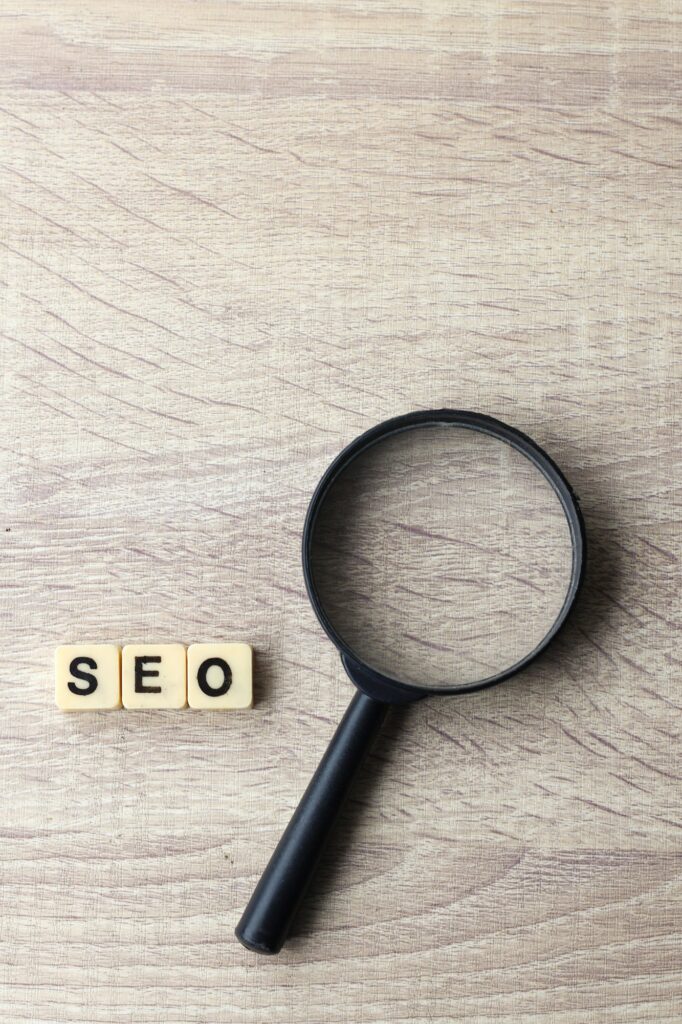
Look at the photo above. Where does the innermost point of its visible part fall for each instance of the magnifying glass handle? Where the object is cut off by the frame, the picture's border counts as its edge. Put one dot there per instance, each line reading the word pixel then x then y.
pixel 265 923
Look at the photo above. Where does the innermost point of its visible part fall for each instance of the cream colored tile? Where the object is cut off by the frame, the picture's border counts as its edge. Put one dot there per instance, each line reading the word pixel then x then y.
pixel 88 677
pixel 219 676
pixel 154 676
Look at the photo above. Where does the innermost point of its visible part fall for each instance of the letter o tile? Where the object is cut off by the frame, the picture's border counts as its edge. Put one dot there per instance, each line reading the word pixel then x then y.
pixel 219 676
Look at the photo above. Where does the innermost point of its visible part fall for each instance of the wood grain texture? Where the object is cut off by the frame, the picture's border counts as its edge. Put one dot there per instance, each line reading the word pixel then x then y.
pixel 233 236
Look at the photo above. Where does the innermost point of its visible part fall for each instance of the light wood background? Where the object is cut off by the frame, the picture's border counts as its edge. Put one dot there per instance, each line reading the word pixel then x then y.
pixel 234 235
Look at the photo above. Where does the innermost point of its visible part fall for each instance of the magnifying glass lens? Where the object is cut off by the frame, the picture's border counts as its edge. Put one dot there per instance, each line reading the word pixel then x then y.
pixel 441 556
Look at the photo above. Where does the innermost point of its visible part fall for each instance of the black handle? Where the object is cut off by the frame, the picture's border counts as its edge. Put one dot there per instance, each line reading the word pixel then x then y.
pixel 269 914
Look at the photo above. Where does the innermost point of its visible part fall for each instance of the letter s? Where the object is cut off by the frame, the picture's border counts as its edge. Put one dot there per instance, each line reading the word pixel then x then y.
pixel 87 677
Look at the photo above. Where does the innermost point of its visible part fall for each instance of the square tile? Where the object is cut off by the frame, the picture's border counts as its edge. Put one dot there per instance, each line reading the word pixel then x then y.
pixel 219 676
pixel 154 676
pixel 88 677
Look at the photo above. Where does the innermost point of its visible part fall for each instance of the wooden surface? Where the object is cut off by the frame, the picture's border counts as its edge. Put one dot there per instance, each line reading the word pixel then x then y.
pixel 233 236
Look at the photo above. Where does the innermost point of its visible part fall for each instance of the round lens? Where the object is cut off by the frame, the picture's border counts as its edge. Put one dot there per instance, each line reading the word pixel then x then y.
pixel 441 556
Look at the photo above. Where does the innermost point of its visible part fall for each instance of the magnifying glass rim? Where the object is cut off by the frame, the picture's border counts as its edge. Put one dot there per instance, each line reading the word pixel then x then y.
pixel 472 421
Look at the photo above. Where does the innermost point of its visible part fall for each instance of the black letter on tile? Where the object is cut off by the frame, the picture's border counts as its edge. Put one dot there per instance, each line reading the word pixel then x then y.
pixel 85 676
pixel 141 672
pixel 202 677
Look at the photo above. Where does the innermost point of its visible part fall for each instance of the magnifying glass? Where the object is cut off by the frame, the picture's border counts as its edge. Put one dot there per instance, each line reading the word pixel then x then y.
pixel 442 552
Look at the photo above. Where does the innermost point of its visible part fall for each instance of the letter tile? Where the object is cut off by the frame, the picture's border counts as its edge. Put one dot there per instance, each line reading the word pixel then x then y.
pixel 154 676
pixel 219 676
pixel 88 677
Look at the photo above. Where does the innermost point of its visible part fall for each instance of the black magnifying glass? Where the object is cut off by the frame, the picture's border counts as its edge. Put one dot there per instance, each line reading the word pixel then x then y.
pixel 442 552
